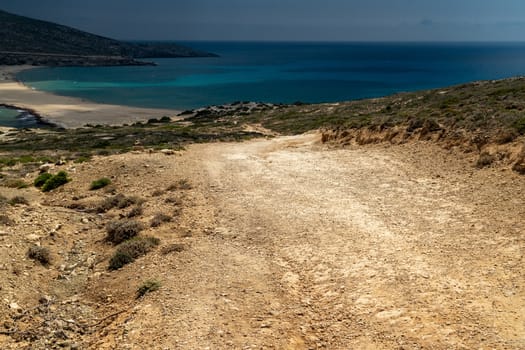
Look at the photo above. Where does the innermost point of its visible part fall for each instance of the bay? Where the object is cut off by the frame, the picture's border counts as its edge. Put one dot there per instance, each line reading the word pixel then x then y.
pixel 284 73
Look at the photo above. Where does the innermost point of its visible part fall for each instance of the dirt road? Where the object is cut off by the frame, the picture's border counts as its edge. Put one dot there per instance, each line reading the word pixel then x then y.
pixel 296 246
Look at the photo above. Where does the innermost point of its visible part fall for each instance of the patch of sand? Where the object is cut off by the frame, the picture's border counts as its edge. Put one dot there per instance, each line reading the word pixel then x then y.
pixel 69 112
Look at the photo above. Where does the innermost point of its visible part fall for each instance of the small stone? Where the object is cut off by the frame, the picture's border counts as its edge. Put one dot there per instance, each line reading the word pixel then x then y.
pixel 45 299
pixel 33 237
pixel 14 306
pixel 45 167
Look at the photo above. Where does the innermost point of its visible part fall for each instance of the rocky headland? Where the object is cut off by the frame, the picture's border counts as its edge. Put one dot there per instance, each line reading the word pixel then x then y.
pixel 27 41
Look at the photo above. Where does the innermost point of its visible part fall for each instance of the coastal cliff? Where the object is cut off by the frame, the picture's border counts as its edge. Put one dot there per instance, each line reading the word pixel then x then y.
pixel 25 40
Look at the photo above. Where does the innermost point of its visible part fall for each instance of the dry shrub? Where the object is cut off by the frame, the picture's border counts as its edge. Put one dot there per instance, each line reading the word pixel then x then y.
pixel 157 193
pixel 18 200
pixel 173 200
pixel 485 159
pixel 75 206
pixel 519 166
pixel 179 185
pixel 135 211
pixel 6 220
pixel 159 219
pixel 15 183
pixel 122 230
pixel 130 250
pixel 147 287
pixel 118 201
pixel 172 248
pixel 40 254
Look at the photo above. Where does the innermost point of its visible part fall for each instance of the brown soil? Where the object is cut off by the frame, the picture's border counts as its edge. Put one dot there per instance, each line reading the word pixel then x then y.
pixel 283 243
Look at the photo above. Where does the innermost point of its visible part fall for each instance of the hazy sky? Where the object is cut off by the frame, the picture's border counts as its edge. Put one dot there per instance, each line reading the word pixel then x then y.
pixel 311 20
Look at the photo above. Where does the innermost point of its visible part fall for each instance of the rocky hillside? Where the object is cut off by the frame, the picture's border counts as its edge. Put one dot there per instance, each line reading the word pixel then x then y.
pixel 25 40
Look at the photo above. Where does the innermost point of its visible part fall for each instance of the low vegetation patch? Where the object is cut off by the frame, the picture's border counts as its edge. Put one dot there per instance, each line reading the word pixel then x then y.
pixel 172 248
pixel 41 179
pixel 122 230
pixel 157 193
pixel 130 250
pixel 15 183
pixel 173 200
pixel 485 159
pixel 148 287
pixel 55 181
pixel 519 166
pixel 100 183
pixel 520 125
pixel 179 185
pixel 134 212
pixel 6 220
pixel 117 201
pixel 160 218
pixel 18 200
pixel 40 254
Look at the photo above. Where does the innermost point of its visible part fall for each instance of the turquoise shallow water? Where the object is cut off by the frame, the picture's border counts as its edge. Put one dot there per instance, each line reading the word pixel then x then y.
pixel 284 72
pixel 17 119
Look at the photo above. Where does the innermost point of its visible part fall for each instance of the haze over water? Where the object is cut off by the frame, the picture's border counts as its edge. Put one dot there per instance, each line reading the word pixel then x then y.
pixel 285 73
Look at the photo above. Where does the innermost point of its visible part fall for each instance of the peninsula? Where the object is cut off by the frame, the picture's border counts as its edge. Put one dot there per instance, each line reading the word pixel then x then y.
pixel 27 41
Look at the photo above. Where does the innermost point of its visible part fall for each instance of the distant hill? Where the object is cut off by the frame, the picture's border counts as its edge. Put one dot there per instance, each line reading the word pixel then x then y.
pixel 25 40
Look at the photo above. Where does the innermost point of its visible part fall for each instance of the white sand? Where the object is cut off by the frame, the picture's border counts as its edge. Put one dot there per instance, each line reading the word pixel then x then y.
pixel 69 112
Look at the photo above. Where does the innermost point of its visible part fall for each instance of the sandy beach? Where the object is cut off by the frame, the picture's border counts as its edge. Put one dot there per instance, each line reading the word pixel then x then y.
pixel 65 111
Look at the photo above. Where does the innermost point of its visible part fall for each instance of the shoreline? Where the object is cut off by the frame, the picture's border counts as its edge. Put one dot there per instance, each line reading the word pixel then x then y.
pixel 68 112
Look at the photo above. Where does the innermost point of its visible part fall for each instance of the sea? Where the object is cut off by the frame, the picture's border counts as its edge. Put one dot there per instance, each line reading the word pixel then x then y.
pixel 284 72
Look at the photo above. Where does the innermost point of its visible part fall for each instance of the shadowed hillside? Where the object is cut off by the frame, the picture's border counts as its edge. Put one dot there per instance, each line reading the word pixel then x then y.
pixel 25 40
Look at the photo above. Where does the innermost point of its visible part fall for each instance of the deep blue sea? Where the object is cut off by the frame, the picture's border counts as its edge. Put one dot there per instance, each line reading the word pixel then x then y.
pixel 285 72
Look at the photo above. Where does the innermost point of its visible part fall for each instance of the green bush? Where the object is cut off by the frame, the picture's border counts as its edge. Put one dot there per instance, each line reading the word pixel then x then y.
pixel 55 181
pixel 130 250
pixel 100 183
pixel 147 287
pixel 40 254
pixel 41 179
pixel 122 230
